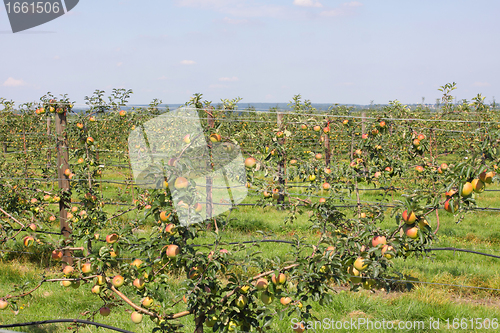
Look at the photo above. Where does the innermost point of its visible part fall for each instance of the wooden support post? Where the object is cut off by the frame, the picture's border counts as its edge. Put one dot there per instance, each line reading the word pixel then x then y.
pixel 328 155
pixel 363 120
pixel 49 139
pixel 209 181
pixel 281 163
pixel 328 152
pixel 62 164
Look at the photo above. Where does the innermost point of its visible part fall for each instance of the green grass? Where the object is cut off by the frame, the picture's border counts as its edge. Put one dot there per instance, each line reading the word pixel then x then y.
pixel 479 231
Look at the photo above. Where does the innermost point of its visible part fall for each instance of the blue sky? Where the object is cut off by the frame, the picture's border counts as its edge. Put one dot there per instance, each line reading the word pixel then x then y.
pixel 263 51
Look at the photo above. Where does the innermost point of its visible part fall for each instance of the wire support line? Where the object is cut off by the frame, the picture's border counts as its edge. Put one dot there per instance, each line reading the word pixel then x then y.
pixel 74 321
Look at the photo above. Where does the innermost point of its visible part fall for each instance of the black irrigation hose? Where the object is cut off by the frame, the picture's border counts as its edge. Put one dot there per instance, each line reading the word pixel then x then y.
pixel 250 242
pixel 65 321
pixel 462 250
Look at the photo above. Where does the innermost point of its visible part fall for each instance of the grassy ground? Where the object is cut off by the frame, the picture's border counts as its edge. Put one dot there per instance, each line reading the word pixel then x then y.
pixel 444 300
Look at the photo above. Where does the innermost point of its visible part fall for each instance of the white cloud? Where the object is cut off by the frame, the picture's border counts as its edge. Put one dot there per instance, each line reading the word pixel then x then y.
pixel 11 82
pixel 239 8
pixel 119 64
pixel 163 77
pixel 187 62
pixel 229 79
pixel 57 57
pixel 332 13
pixel 307 3
pixel 352 4
pixel 233 21
pixel 481 84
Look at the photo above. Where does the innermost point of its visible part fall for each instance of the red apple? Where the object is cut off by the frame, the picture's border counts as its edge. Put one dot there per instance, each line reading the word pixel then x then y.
pixel 164 216
pixel 467 190
pixel 147 302
pixel 28 241
pixel 139 284
pixel 280 279
pixel 250 162
pixel 104 311
pixel 215 137
pixel 285 300
pixel 136 263
pixel 100 280
pixel 409 218
pixel 411 232
pixel 197 207
pixel 360 264
pixel 181 183
pixel 118 281
pixel 448 205
pixel 386 251
pixel 170 229
pixel 173 250
pixel 136 317
pixel 478 185
pixel 378 240
pixel 57 255
pixel 261 284
pixel 96 289
pixel 66 283
pixel 486 177
pixel 68 270
pixel 122 113
pixel 110 239
pixel 87 268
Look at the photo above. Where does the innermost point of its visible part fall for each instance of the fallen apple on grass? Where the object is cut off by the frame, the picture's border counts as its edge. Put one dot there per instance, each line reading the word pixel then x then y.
pixel 3 304
pixel 104 311
pixel 136 317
